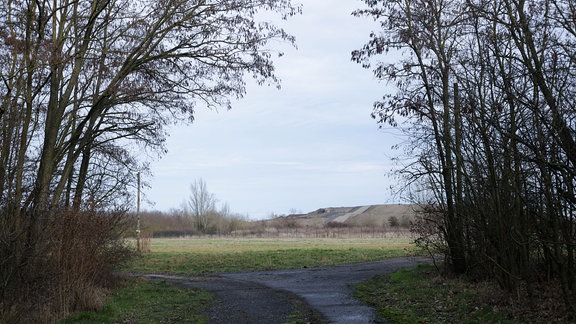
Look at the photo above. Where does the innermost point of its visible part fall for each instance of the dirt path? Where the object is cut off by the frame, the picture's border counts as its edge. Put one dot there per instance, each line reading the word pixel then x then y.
pixel 317 294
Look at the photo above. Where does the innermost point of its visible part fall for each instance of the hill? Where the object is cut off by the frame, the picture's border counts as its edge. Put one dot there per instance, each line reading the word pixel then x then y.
pixel 371 215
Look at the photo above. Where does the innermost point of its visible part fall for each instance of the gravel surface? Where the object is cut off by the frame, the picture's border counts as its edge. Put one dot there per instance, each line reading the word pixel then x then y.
pixel 319 295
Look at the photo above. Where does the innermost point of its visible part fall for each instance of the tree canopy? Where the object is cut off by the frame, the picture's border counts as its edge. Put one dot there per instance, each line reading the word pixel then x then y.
pixel 83 82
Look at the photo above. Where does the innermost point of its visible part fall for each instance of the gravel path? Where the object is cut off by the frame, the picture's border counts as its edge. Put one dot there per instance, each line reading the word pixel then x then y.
pixel 319 294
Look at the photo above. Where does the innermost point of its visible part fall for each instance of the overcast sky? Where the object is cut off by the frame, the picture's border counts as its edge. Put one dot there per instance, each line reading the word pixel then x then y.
pixel 309 145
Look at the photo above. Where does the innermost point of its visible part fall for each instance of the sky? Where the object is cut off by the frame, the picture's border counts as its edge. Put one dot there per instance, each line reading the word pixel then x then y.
pixel 312 144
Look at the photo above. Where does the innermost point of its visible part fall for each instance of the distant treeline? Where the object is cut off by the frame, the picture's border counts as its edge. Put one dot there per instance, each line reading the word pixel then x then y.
pixel 158 224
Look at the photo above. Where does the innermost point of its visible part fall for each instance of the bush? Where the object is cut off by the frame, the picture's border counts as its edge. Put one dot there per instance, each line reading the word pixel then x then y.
pixel 337 225
pixel 60 265
pixel 427 229
pixel 393 221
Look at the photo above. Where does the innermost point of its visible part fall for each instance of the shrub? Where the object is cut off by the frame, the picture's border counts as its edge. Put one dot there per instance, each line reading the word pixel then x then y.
pixel 427 229
pixel 337 225
pixel 60 265
pixel 393 221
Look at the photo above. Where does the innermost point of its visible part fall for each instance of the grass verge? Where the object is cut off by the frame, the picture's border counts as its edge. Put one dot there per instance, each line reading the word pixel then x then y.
pixel 149 302
pixel 422 295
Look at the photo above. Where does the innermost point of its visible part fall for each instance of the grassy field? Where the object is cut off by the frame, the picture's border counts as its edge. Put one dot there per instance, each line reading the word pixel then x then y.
pixel 238 245
pixel 203 255
pixel 418 295
pixel 145 302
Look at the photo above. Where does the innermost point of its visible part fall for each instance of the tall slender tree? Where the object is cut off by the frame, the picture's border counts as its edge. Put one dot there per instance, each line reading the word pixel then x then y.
pixel 427 33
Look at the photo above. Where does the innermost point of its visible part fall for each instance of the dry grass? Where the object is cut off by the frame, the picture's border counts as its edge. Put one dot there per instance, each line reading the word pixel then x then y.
pixel 231 245
pixel 194 256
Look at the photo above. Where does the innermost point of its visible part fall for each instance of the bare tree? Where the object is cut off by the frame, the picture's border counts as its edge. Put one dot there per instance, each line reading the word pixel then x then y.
pixel 428 33
pixel 86 82
pixel 79 76
pixel 201 204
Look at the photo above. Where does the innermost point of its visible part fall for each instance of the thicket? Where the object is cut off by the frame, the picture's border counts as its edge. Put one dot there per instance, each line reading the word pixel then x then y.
pixel 178 223
pixel 65 265
pixel 485 92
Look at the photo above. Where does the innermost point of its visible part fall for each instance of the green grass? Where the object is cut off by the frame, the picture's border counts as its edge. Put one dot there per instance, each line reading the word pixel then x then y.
pixel 201 256
pixel 417 295
pixel 421 295
pixel 202 263
pixel 211 245
pixel 149 302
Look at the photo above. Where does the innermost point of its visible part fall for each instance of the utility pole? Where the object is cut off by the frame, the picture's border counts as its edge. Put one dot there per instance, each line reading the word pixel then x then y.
pixel 138 216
